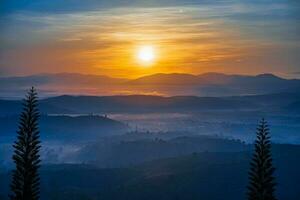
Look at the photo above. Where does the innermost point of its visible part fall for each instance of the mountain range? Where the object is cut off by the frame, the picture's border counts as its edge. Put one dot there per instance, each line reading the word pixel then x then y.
pixel 208 84
pixel 67 104
pixel 68 127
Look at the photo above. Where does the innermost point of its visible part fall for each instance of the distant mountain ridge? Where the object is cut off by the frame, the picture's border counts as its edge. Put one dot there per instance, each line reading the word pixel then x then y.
pixel 207 84
pixel 67 104
pixel 68 127
pixel 206 78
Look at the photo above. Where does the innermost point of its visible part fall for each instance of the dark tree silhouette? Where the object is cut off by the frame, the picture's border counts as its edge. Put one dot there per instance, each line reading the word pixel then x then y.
pixel 25 178
pixel 261 180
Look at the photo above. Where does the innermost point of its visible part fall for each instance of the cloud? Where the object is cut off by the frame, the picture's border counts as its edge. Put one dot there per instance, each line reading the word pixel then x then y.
pixel 58 6
pixel 191 36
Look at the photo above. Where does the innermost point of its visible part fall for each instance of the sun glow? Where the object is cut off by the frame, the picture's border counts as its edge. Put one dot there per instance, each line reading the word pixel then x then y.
pixel 146 54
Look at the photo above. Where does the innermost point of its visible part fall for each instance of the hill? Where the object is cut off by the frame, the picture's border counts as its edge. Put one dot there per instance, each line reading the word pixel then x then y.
pixel 127 152
pixel 68 127
pixel 196 176
pixel 150 104
pixel 208 84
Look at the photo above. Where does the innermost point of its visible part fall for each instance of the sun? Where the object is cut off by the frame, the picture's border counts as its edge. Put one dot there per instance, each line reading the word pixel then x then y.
pixel 146 54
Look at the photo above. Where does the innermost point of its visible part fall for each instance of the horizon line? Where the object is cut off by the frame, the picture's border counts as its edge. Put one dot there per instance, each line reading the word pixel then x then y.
pixel 153 74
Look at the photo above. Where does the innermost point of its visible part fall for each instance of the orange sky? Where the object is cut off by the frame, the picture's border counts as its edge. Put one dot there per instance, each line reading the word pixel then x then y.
pixel 186 39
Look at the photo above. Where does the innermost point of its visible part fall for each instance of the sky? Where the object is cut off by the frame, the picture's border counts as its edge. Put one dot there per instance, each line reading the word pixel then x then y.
pixel 188 36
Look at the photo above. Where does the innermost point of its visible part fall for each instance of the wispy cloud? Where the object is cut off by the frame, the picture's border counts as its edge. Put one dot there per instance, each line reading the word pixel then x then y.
pixel 227 37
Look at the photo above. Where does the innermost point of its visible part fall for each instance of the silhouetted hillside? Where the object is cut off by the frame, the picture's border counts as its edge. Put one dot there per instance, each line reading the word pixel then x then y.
pixel 142 103
pixel 195 176
pixel 12 107
pixel 59 79
pixel 121 153
pixel 294 107
pixel 63 127
pixel 207 79
pixel 208 84
pixel 145 103
pixel 217 84
pixel 55 84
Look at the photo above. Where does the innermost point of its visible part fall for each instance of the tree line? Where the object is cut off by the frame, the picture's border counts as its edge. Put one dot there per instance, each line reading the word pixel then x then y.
pixel 25 183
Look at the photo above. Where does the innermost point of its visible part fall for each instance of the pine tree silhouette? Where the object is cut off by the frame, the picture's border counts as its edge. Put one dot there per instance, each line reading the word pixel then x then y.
pixel 25 178
pixel 261 180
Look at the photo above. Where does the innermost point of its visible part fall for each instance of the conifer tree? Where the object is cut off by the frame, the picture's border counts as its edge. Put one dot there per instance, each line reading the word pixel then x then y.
pixel 261 180
pixel 25 177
